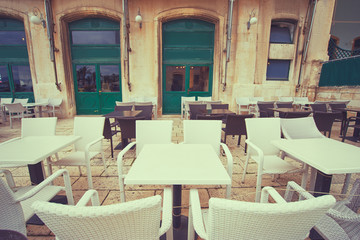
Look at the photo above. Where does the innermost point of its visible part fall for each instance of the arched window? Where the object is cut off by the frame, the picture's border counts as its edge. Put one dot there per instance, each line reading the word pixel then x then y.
pixel 282 31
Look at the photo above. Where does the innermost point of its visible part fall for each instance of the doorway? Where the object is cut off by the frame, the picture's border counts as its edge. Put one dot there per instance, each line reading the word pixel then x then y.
pixel 188 49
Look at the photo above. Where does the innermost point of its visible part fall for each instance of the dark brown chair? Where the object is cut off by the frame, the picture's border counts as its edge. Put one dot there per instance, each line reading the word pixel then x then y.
pixel 235 125
pixel 146 111
pixel 264 109
pixel 296 114
pixel 209 117
pixel 318 107
pixel 220 106
pixel 109 132
pixel 115 123
pixel 284 104
pixel 123 108
pixel 127 127
pixel 355 125
pixel 324 121
pixel 338 107
pixel 197 109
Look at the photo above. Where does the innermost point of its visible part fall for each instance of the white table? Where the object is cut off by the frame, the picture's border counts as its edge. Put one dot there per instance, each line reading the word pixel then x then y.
pixel 326 155
pixel 39 105
pixel 32 151
pixel 177 164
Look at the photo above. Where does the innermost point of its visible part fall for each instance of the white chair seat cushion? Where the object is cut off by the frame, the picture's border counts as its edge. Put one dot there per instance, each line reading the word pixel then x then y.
pixel 275 165
pixel 74 159
pixel 45 195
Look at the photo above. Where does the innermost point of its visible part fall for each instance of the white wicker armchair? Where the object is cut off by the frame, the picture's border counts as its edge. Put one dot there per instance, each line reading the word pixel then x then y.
pixel 342 221
pixel 230 219
pixel 15 203
pixel 147 132
pixel 137 219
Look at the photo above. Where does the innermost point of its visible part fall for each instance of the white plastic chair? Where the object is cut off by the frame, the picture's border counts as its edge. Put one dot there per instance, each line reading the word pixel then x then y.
pixel 342 221
pixel 90 129
pixel 147 132
pixel 230 219
pixel 261 131
pixel 153 100
pixel 243 104
pixel 21 100
pixel 183 100
pixel 208 132
pixel 204 99
pixel 54 105
pixel 138 219
pixel 15 202
pixel 286 99
pixel 16 110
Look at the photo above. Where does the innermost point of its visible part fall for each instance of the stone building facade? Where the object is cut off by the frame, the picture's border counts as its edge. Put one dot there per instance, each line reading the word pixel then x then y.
pixel 268 48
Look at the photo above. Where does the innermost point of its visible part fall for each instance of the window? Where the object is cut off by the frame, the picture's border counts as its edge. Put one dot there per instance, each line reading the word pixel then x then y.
pixel 278 70
pixel 95 37
pixel 282 32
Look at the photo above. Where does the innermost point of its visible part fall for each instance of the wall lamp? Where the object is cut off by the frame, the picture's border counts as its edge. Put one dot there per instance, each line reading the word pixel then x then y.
pixel 37 17
pixel 138 18
pixel 252 19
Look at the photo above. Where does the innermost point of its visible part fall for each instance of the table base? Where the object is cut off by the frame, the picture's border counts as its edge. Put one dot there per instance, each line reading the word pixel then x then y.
pixel 36 173
pixel 322 184
pixel 180 233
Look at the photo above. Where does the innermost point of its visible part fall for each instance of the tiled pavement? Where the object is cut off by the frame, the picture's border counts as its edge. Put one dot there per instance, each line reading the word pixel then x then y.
pixel 106 181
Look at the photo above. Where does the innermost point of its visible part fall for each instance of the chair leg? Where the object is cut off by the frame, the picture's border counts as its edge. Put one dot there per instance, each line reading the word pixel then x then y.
pixel 191 231
pixel 258 187
pixel 122 189
pixel 89 177
pixel 245 168
pixel 346 183
pixel 346 126
pixel 239 140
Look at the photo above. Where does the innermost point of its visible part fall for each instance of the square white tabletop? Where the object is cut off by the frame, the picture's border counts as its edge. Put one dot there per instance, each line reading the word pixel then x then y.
pixel 32 150
pixel 177 164
pixel 325 154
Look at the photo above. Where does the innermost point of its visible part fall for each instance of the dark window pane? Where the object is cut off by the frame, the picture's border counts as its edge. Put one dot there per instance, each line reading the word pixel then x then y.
pixel 175 78
pixel 199 79
pixel 109 76
pixel 12 38
pixel 22 78
pixel 280 34
pixel 4 80
pixel 96 37
pixel 278 70
pixel 86 78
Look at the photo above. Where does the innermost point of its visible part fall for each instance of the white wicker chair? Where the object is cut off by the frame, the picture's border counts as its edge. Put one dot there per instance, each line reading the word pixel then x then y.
pixel 342 221
pixel 230 219
pixel 260 132
pixel 137 219
pixel 53 106
pixel 183 100
pixel 17 110
pixel 147 132
pixel 15 203
pixel 90 129
pixel 208 132
pixel 244 105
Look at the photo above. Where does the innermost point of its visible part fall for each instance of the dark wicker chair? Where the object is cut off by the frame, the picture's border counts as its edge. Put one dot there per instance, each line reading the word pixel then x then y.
pixel 324 121
pixel 209 117
pixel 146 111
pixel 127 127
pixel 220 106
pixel 264 109
pixel 123 108
pixel 284 104
pixel 319 107
pixel 235 125
pixel 197 109
pixel 338 107
pixel 355 125
pixel 296 114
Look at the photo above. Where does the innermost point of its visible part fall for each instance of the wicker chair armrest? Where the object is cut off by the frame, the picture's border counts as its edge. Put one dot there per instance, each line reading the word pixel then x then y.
pixel 294 187
pixel 166 221
pixel 270 191
pixel 87 147
pixel 89 195
pixel 120 156
pixel 341 216
pixel 9 178
pixel 48 181
pixel 252 146
pixel 229 158
pixel 196 213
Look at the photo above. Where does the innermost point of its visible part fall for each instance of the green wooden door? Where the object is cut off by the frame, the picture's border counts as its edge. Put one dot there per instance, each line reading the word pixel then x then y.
pixel 15 75
pixel 95 49
pixel 188 49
